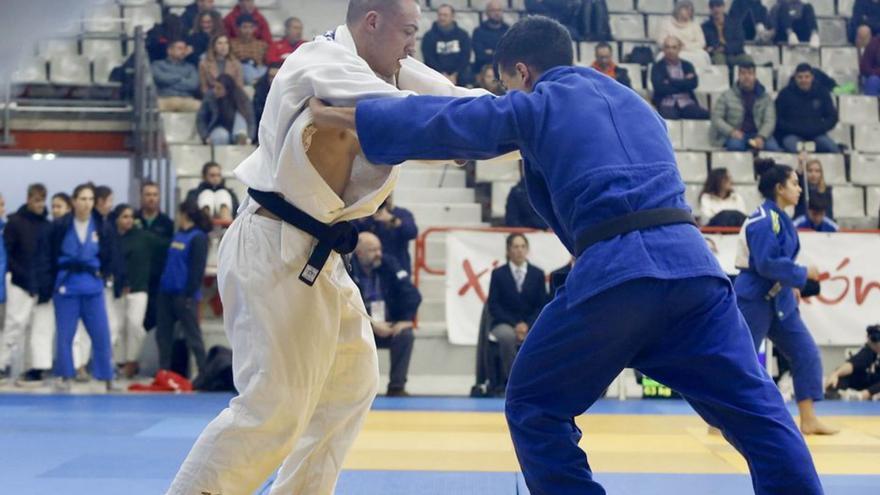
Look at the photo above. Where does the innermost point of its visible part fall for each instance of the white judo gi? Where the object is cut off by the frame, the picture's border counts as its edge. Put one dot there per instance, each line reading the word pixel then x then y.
pixel 304 358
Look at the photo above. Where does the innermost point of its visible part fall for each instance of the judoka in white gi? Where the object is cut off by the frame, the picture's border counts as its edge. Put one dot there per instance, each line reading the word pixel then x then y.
pixel 304 357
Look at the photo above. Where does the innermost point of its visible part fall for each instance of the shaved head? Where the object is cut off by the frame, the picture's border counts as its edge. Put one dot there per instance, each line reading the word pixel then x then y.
pixel 357 9
pixel 369 250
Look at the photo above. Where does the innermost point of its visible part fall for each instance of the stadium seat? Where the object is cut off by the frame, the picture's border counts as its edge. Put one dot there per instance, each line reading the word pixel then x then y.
pixel 627 26
pixel 275 18
pixel 101 69
pixel 103 19
pixel 849 202
pixel 179 3
pixel 458 5
pixel 30 70
pixel 692 195
pixel 794 55
pixel 500 191
pixel 70 69
pixel 654 22
pixel 823 8
pixel 187 159
pixel 695 135
pixel 867 138
pixel 145 15
pixel 865 169
pixel 627 47
pixel 840 57
pixel 655 6
pixel 230 156
pixel 789 159
pixel 751 197
pixel 713 79
pixel 842 134
pixel 833 167
pixel 740 165
pixel 873 201
pixel 832 32
pixel 620 6
pixel 228 4
pixel 426 21
pixel 845 8
pixel 764 55
pixel 858 109
pixel 266 4
pixel 95 49
pixel 495 171
pixel 783 76
pixel 635 76
pixel 469 21
pixel 692 165
pixel 765 77
pixel 844 76
pixel 58 47
pixel 673 127
pixel 180 128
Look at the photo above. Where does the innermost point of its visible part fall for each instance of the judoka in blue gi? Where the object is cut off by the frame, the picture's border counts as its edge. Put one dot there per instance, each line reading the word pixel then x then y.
pixel 650 298
pixel 73 262
pixel 767 284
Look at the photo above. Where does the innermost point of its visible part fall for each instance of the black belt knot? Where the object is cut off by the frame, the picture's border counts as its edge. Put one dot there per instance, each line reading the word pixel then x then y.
pixel 637 220
pixel 341 237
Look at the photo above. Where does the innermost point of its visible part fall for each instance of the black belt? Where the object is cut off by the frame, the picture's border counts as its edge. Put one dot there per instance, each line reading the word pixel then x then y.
pixel 637 220
pixel 341 237
pixel 78 267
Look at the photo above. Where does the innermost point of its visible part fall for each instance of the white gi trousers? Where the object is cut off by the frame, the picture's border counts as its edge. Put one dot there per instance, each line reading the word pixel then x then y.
pixel 126 316
pixel 19 314
pixel 304 362
pixel 41 345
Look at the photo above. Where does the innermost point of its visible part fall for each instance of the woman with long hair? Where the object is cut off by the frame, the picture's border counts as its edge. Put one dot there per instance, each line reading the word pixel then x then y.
pixel 718 195
pixel 812 179
pixel 768 287
pixel 218 60
pixel 226 115
pixel 180 286
pixel 73 264
pixel 208 26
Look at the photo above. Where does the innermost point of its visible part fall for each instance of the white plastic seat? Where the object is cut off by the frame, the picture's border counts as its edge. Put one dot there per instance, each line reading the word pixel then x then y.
pixel 456 4
pixel 701 7
pixel 654 23
pixel 500 191
pixel 263 4
pixel 426 21
pixel 58 47
pixel 740 165
pixel 692 195
pixel 673 128
pixel 794 55
pixel 635 76
pixel 765 77
pixel 180 128
pixel 842 133
pixel 849 202
pixel 146 16
pixel 275 18
pixel 495 171
pixel 763 54
pixel 187 159
pixel 692 165
pixel 713 79
pixel 30 70
pixel 824 8
pixel 627 26
pixel 865 169
pixel 867 138
pixel 101 69
pixel 783 76
pixel 469 21
pixel 833 167
pixel 839 57
pixel 844 76
pixel 69 69
pixel 695 135
pixel 231 155
pixel 106 18
pixel 619 6
pixel 845 8
pixel 95 49
pixel 856 109
pixel 872 195
pixel 780 158
pixel 655 6
pixel 751 197
pixel 832 32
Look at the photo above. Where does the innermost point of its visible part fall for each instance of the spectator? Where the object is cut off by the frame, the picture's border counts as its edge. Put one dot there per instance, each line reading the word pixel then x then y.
pixel 604 63
pixel 103 202
pixel 518 211
pixel 180 287
pixel 249 8
pixel 136 248
pixel 486 79
pixel 865 13
pixel 392 301
pixel 593 21
pixel 249 49
pixel 752 16
pixel 226 115
pixel 869 68
pixel 447 47
pixel 794 22
pixel 261 92
pixel 559 276
pixel 213 197
pixel 193 12
pixel 861 372
pixel 162 34
pixel 725 39
pixel 674 81
pixel 151 219
pixel 564 11
pixel 815 219
pixel 718 196
pixel 813 186
pixel 209 26
pixel 395 227
pixel 487 35
pixel 73 263
pixel 681 25
pixel 218 60
pixel 517 294
pixel 805 112
pixel 293 38
pixel 177 82
pixel 863 39
pixel 744 116
pixel 20 238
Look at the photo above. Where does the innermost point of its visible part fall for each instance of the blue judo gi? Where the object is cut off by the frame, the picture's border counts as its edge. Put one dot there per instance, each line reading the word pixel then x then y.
pixel 654 299
pixel 764 290
pixel 75 269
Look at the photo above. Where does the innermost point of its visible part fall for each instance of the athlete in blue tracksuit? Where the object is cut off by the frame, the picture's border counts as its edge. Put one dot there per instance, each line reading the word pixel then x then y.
pixel 72 263
pixel 654 299
pixel 766 287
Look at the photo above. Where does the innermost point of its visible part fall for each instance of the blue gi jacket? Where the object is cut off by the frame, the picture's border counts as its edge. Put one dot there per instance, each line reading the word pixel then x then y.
pixel 79 265
pixel 592 150
pixel 59 244
pixel 771 246
pixel 827 225
pixel 185 264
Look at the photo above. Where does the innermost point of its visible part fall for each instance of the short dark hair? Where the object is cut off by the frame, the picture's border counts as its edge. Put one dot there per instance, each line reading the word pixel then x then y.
pixel 193 212
pixel 602 44
pixel 818 203
pixel 82 187
pixel 35 189
pixel 747 65
pixel 63 197
pixel 207 166
pixel 537 41
pixel 102 192
pixel 243 18
pixel 803 67
pixel 359 8
pixel 289 20
pixel 446 5
pixel 512 237
pixel 173 42
pixel 148 183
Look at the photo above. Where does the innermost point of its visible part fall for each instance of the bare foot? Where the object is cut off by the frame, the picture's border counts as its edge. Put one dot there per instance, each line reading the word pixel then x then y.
pixel 816 427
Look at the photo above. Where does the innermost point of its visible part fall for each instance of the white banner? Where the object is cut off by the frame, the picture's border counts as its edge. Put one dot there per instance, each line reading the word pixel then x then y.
pixel 849 263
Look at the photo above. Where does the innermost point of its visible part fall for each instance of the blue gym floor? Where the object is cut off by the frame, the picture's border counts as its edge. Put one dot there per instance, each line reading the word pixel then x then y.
pixel 133 444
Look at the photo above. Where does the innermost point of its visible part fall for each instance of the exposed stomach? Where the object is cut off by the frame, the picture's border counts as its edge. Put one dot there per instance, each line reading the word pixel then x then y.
pixel 332 153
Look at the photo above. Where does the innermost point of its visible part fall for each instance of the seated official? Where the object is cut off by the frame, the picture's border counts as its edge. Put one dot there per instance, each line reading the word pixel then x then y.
pixel 861 372
pixel 392 301
pixel 517 294
pixel 816 217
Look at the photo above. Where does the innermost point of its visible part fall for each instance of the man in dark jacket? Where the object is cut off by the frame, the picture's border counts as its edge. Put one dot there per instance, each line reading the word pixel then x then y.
pixel 486 36
pixel 725 38
pixel 604 63
pixel 396 228
pixel 674 82
pixel 805 112
pixel 865 13
pixel 517 294
pixel 447 47
pixel 519 211
pixel 212 195
pixel 564 11
pixel 392 301
pixel 20 237
pixel 151 219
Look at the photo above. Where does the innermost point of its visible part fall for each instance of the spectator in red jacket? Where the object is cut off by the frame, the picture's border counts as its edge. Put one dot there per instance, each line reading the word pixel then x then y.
pixel 293 34
pixel 248 7
pixel 869 68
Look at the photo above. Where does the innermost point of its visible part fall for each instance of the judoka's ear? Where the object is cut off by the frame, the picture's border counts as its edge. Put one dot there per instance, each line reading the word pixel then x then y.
pixel 526 75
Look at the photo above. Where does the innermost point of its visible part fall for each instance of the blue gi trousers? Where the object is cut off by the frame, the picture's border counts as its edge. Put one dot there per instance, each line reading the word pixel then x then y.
pixel 687 334
pixel 793 340
pixel 91 308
